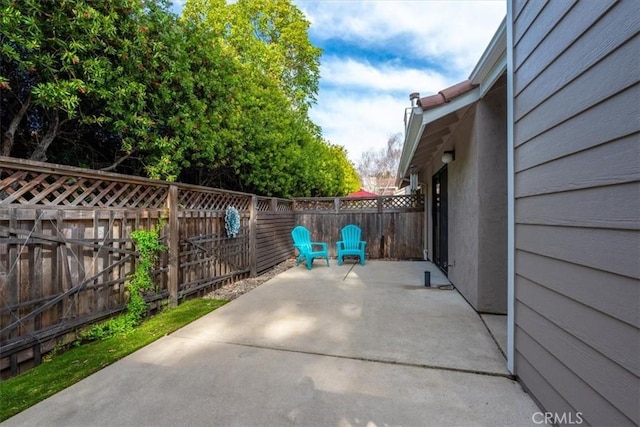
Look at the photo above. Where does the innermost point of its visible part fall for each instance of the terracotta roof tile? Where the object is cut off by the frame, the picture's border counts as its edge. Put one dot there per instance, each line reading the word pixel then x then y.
pixel 446 95
pixel 431 101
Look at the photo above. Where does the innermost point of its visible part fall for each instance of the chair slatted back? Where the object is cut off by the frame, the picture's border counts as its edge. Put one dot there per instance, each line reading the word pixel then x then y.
pixel 351 236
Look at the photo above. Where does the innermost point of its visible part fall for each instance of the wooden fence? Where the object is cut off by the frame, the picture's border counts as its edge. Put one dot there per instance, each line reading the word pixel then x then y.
pixel 66 250
pixel 275 220
pixel 392 226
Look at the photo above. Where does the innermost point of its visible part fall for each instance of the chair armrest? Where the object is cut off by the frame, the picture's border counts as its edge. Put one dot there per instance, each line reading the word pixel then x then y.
pixel 322 244
pixel 340 244
pixel 363 244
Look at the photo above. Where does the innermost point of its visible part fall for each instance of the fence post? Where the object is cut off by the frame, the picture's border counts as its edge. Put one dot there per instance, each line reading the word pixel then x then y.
pixel 253 231
pixel 173 245
pixel 380 207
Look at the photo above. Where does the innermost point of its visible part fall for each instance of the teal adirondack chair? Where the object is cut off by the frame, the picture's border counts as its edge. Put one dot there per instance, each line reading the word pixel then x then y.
pixel 351 243
pixel 302 241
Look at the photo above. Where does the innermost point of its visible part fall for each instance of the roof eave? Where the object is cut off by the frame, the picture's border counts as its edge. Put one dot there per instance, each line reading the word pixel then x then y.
pixel 491 66
pixel 411 140
pixel 415 130
pixel 493 62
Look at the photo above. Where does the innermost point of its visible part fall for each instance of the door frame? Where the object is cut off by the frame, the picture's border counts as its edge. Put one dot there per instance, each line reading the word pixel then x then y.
pixel 440 219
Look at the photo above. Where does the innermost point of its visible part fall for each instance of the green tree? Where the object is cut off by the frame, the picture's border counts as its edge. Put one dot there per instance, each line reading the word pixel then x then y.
pixel 110 81
pixel 269 35
pixel 273 147
pixel 218 97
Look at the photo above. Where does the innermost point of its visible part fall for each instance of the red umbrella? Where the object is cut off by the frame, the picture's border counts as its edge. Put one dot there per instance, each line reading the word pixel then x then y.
pixel 362 193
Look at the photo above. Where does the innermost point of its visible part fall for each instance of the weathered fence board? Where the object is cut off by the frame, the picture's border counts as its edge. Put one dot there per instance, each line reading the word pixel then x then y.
pixel 392 226
pixel 275 220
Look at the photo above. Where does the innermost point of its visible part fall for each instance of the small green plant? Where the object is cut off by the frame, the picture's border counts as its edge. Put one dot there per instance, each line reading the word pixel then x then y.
pixel 149 247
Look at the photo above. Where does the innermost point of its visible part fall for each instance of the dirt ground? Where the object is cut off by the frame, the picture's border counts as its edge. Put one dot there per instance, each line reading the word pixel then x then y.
pixel 234 290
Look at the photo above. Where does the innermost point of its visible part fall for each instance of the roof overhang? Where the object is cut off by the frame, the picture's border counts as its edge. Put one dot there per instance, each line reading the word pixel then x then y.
pixel 428 129
pixel 493 62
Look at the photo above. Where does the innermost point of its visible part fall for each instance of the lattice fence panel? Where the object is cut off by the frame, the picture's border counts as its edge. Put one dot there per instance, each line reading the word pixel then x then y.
pixel 314 204
pixel 412 201
pixel 68 188
pixel 263 205
pixel 212 200
pixel 284 206
pixel 66 252
pixel 359 203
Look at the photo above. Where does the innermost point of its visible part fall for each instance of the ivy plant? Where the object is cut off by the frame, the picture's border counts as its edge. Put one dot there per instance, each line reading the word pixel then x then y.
pixel 149 247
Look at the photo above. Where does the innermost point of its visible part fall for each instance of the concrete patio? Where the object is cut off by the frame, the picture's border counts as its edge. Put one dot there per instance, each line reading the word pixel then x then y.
pixel 335 346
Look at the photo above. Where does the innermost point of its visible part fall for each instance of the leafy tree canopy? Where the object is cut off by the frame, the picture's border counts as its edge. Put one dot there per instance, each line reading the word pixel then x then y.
pixel 219 97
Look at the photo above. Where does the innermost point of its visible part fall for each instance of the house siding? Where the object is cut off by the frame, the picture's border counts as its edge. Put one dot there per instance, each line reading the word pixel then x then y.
pixel 577 206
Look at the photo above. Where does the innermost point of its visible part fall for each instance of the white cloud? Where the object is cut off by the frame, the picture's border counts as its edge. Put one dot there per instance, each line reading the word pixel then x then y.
pixel 349 72
pixel 426 46
pixel 359 123
pixel 456 31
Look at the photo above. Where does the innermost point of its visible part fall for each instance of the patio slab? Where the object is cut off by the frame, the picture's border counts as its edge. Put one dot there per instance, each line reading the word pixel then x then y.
pixel 381 311
pixel 334 346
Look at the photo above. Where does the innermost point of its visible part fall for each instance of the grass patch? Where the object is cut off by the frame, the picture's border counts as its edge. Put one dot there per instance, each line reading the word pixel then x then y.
pixel 59 372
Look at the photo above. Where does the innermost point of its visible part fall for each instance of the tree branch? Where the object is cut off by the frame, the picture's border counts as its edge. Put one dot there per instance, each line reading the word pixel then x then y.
pixel 8 137
pixel 117 162
pixel 40 153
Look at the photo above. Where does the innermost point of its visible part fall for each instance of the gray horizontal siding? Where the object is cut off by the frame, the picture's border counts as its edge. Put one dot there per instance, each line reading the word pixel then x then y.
pixel 614 118
pixel 592 327
pixel 536 383
pixel 607 164
pixel 526 17
pixel 585 91
pixel 539 59
pixel 599 207
pixel 571 387
pixel 615 251
pixel 583 363
pixel 577 58
pixel 526 57
pixel 600 290
pixel 577 207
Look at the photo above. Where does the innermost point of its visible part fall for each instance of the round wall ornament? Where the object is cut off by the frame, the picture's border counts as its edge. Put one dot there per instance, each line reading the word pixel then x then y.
pixel 232 221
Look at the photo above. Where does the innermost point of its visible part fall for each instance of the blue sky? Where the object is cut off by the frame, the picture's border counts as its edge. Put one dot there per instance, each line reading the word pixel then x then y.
pixel 376 52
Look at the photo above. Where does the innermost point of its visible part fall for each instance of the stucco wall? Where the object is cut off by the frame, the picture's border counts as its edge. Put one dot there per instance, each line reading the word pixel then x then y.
pixel 477 182
pixel 490 126
pixel 463 208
